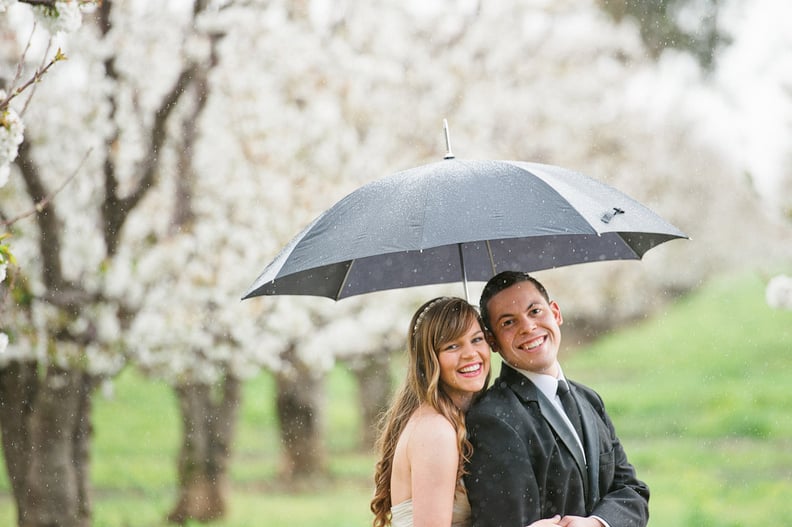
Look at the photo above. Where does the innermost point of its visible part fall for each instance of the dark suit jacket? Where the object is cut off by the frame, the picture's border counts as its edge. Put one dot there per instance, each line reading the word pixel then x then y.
pixel 527 466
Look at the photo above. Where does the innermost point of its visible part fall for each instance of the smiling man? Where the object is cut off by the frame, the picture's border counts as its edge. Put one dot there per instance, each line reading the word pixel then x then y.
pixel 544 447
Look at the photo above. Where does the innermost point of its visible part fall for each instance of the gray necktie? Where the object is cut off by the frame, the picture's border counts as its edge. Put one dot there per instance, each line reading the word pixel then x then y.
pixel 570 407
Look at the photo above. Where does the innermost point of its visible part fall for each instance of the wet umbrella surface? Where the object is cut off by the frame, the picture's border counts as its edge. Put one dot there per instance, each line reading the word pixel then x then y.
pixel 461 220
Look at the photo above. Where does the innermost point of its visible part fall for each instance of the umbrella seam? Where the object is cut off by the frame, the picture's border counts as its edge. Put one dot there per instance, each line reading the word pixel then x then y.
pixel 344 281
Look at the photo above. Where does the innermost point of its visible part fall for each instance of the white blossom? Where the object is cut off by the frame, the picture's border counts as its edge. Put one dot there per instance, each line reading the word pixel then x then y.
pixel 11 135
pixel 300 113
pixel 779 292
pixel 64 17
pixel 5 4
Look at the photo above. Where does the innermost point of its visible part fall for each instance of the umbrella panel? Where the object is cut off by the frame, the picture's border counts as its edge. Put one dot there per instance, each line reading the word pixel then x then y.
pixel 407 229
pixel 481 260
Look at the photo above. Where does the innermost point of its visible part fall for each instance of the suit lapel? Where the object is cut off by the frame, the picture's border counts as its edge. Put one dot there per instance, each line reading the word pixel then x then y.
pixel 590 443
pixel 527 391
pixel 551 415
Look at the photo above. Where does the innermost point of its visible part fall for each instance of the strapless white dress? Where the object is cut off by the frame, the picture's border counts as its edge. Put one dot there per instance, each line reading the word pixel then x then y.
pixel 402 514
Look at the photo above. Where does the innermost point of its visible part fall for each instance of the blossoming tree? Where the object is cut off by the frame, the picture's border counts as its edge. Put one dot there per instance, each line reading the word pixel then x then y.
pixel 69 301
pixel 204 136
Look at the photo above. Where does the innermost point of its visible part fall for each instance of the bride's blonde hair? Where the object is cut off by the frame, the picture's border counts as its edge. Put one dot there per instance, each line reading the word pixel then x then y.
pixel 436 322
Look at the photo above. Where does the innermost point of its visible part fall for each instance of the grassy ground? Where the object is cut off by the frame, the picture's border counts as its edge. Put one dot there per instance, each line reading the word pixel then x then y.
pixel 699 395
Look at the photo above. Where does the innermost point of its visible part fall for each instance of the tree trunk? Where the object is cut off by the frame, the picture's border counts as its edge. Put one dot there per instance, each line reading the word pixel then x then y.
pixel 372 373
pixel 209 417
pixel 46 436
pixel 83 431
pixel 300 406
pixel 18 385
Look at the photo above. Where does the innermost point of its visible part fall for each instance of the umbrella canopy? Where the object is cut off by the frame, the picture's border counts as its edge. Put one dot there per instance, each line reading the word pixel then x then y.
pixel 461 220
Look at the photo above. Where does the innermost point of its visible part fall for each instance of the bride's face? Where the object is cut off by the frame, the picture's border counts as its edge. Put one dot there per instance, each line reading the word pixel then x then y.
pixel 464 365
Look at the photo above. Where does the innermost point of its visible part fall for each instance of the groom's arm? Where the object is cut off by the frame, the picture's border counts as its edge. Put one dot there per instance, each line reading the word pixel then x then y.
pixel 626 501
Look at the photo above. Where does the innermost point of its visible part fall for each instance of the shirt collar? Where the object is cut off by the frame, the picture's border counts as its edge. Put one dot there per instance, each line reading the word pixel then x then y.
pixel 547 384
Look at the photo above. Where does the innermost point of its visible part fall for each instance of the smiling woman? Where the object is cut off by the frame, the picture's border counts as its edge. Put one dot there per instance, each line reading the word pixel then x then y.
pixel 423 444
pixel 464 363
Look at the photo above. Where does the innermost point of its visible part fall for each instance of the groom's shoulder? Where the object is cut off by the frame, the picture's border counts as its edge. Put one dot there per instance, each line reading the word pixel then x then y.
pixel 590 394
pixel 494 399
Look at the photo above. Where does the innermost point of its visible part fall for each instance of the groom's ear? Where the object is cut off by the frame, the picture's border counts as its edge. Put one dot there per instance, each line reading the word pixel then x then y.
pixel 491 340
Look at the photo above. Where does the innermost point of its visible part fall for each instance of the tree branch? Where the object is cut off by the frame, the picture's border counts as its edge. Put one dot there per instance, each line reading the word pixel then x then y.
pixel 158 137
pixel 39 206
pixel 48 222
pixel 32 81
pixel 44 3
pixel 116 209
pixel 183 209
pixel 59 292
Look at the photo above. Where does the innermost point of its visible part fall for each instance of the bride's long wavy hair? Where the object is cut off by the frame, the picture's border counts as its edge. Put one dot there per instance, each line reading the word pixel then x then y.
pixel 436 322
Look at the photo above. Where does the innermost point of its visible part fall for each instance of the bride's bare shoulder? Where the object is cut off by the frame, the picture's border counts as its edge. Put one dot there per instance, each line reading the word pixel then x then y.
pixel 430 426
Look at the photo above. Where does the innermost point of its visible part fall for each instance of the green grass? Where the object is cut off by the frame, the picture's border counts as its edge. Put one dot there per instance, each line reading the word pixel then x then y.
pixel 699 395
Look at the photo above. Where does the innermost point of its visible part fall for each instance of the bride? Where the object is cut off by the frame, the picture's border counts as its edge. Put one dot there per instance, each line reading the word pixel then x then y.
pixel 422 446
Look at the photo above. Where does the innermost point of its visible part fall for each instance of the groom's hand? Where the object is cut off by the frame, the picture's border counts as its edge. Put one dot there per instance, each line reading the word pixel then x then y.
pixel 549 522
pixel 579 521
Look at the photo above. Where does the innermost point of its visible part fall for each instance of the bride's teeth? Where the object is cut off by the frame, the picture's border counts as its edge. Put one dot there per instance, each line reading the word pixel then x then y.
pixel 470 369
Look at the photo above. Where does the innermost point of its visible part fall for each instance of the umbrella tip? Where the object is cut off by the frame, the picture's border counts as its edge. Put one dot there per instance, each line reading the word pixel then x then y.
pixel 449 154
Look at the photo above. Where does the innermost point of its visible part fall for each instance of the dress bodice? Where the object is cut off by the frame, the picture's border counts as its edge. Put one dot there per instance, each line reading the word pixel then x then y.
pixel 402 514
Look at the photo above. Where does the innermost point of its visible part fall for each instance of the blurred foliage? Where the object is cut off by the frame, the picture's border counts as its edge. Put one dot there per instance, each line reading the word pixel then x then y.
pixel 687 25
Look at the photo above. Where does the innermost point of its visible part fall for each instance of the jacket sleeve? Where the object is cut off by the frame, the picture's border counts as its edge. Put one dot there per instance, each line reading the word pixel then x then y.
pixel 499 495
pixel 626 500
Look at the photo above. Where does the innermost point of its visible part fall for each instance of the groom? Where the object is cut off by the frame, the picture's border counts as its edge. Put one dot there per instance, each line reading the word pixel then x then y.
pixel 535 455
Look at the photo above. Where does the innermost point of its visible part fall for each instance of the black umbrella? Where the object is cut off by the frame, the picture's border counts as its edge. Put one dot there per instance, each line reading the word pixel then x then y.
pixel 461 220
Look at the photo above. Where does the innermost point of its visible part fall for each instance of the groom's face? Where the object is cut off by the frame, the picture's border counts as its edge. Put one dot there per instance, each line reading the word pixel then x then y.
pixel 526 328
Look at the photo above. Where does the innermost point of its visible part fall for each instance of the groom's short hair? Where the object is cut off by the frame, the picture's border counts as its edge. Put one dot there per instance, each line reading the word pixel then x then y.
pixel 501 281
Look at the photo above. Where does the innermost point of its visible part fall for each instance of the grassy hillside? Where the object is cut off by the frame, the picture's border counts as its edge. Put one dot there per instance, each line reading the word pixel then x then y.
pixel 699 394
pixel 701 397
